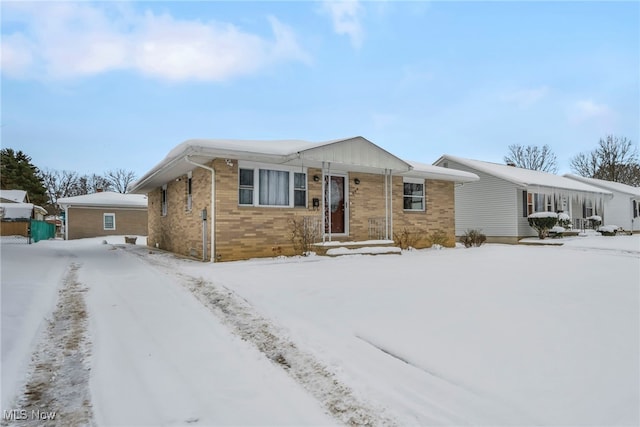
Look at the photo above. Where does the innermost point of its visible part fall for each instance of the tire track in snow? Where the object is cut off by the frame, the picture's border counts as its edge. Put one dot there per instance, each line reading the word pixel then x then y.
pixel 57 390
pixel 237 314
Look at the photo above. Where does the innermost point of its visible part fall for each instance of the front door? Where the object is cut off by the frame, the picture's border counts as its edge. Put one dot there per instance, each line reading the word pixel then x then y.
pixel 335 204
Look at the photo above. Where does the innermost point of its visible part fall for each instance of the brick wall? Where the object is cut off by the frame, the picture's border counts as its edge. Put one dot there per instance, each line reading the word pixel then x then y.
pixel 89 222
pixel 246 231
pixel 180 230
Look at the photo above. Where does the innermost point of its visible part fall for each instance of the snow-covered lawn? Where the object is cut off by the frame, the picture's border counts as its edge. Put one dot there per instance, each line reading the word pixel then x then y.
pixel 499 335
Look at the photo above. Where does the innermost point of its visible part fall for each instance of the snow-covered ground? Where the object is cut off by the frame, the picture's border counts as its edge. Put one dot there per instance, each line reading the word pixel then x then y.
pixel 500 335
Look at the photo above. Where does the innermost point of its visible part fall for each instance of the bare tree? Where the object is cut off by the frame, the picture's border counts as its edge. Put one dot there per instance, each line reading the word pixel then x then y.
pixel 120 179
pixel 615 159
pixel 59 184
pixel 93 183
pixel 532 157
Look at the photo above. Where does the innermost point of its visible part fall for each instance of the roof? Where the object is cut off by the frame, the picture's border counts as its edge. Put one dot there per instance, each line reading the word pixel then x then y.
pixel 16 210
pixel 15 196
pixel 106 199
pixel 525 178
pixel 607 185
pixel 423 170
pixel 353 154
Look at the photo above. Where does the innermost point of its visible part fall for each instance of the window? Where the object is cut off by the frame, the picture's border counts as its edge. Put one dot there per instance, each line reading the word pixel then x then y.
pixel 274 188
pixel 538 202
pixel 300 189
pixel 413 195
pixel 636 209
pixel 109 221
pixel 588 208
pixel 245 196
pixel 259 186
pixel 163 201
pixel 189 193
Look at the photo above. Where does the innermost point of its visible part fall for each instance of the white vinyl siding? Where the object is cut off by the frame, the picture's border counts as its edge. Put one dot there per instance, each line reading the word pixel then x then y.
pixel 490 204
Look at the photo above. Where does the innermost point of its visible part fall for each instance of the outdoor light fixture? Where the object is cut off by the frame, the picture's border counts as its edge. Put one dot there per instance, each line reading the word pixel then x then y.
pixel 316 178
pixel 229 162
pixel 356 181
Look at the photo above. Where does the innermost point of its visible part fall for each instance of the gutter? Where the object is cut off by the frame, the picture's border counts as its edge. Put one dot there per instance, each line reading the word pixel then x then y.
pixel 213 204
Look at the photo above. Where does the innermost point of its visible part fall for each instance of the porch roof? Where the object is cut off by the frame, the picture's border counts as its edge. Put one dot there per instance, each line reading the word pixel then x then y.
pixel 526 178
pixel 355 154
pixel 607 185
pixel 426 171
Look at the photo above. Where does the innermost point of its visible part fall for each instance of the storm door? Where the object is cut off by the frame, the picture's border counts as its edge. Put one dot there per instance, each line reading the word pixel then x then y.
pixel 334 204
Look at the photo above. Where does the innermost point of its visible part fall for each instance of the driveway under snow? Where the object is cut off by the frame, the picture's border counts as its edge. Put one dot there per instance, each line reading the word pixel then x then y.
pixel 500 335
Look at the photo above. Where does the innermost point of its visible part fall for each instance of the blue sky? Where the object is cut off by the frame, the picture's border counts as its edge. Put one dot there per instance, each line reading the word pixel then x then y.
pixel 96 86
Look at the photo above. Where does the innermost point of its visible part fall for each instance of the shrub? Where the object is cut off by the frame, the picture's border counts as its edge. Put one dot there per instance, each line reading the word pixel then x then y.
pixel 439 238
pixel 608 230
pixel 303 235
pixel 595 221
pixel 564 220
pixel 407 238
pixel 473 238
pixel 542 222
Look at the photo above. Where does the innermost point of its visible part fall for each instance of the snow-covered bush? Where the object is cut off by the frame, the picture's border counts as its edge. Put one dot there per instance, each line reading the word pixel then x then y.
pixel 608 230
pixel 595 221
pixel 564 220
pixel 542 222
pixel 473 238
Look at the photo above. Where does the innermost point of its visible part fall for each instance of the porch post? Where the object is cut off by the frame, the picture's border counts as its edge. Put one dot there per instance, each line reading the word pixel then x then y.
pixel 330 199
pixel 391 202
pixel 324 205
pixel 386 206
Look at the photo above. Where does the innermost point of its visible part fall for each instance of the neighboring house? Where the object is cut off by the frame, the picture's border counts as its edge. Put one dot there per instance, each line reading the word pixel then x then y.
pixel 623 209
pixel 223 200
pixel 500 202
pixel 16 212
pixel 104 214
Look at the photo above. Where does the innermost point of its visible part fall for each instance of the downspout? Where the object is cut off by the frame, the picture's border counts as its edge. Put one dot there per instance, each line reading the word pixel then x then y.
pixel 66 222
pixel 213 205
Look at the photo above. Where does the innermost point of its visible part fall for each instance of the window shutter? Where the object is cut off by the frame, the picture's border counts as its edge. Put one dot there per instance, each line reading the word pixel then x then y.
pixel 524 203
pixel 584 209
pixel 635 209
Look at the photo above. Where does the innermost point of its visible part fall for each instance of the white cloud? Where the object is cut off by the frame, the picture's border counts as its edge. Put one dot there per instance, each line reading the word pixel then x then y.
pixel 588 110
pixel 345 15
pixel 524 98
pixel 66 40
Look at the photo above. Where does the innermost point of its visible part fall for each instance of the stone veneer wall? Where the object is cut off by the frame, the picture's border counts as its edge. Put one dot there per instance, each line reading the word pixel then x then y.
pixel 246 231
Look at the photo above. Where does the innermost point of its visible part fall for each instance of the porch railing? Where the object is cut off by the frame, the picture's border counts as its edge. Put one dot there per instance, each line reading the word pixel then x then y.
pixel 377 228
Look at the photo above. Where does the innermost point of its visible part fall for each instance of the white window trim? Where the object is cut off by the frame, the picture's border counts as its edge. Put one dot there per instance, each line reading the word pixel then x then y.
pixel 408 180
pixel 104 224
pixel 256 166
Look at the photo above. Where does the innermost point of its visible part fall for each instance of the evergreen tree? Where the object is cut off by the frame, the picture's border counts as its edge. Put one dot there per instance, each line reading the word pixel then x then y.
pixel 18 173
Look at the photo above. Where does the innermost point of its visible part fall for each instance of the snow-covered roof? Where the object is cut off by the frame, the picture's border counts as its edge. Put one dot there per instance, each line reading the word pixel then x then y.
pixel 107 199
pixel 423 170
pixel 349 154
pixel 17 196
pixel 20 210
pixel 525 178
pixel 607 185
